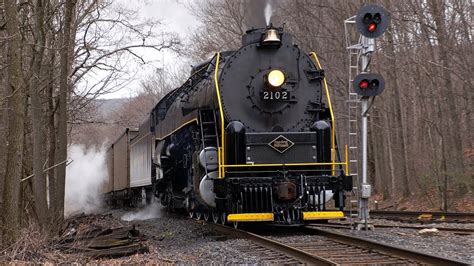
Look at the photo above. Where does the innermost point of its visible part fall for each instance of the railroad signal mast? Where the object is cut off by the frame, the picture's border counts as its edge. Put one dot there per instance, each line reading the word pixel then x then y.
pixel 371 22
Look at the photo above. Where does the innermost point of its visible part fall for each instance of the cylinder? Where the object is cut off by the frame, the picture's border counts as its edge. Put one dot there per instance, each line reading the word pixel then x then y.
pixel 235 143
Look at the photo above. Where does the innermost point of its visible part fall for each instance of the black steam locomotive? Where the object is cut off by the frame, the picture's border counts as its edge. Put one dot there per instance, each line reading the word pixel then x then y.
pixel 249 137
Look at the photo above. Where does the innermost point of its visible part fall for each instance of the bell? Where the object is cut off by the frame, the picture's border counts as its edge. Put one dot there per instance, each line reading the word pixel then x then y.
pixel 271 37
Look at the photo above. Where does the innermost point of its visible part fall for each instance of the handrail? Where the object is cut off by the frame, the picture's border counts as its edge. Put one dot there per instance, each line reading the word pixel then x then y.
pixel 333 131
pixel 346 158
pixel 283 164
pixel 221 150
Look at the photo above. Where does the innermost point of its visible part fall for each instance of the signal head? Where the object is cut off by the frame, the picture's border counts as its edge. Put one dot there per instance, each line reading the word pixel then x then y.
pixel 369 84
pixel 372 21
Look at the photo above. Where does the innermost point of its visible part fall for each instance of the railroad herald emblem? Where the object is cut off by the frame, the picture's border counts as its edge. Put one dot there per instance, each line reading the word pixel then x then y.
pixel 281 144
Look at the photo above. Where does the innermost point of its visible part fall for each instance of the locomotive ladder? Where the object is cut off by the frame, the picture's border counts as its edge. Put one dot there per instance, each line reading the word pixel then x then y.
pixel 209 132
pixel 353 108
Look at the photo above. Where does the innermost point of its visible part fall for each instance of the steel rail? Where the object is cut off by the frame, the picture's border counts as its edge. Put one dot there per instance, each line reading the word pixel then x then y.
pixel 385 248
pixel 448 229
pixel 306 257
pixel 300 255
pixel 422 216
pixel 446 215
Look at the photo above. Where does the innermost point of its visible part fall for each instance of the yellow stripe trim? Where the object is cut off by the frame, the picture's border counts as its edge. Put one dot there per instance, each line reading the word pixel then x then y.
pixel 221 150
pixel 250 217
pixel 322 215
pixel 333 133
pixel 178 128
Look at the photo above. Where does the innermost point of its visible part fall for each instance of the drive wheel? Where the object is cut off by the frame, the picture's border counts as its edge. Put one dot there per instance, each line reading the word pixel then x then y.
pixel 215 216
pixel 237 208
pixel 190 206
pixel 223 218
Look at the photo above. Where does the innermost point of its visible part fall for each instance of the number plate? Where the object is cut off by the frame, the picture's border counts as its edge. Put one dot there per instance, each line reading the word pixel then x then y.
pixel 275 95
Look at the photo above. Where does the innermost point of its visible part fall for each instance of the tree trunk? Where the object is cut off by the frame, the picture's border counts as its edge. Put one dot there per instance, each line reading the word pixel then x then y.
pixel 448 91
pixel 16 123
pixel 393 181
pixel 400 116
pixel 3 126
pixel 376 155
pixel 61 154
pixel 39 180
pixel 51 135
pixel 444 193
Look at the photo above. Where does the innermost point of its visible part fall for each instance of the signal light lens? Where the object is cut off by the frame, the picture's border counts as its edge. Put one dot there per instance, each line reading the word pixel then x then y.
pixel 275 78
pixel 372 27
pixel 377 18
pixel 374 84
pixel 364 84
pixel 367 18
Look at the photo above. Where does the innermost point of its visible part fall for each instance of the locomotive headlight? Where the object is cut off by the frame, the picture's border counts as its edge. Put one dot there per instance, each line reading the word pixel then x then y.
pixel 275 78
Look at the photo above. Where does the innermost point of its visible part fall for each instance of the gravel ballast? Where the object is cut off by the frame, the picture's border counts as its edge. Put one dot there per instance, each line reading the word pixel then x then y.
pixel 177 239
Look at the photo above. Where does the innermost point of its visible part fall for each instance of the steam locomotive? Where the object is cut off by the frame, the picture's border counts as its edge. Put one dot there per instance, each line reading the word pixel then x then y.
pixel 249 137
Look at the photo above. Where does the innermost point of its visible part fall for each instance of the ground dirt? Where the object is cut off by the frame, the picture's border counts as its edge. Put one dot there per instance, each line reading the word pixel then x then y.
pixel 428 201
pixel 170 238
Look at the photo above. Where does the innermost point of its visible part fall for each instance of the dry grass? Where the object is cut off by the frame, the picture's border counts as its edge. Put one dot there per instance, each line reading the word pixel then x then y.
pixel 31 246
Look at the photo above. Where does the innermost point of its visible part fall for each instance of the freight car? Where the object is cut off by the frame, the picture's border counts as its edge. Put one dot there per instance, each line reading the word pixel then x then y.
pixel 249 137
pixel 124 159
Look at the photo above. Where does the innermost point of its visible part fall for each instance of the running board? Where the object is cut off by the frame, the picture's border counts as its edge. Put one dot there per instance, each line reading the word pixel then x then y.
pixel 250 217
pixel 322 215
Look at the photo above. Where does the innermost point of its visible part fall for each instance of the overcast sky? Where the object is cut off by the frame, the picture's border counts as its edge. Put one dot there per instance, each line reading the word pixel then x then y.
pixel 176 18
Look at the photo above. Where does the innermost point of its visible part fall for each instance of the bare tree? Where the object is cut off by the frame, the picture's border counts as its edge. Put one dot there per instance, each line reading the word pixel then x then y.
pixel 16 123
pixel 64 89
pixel 39 147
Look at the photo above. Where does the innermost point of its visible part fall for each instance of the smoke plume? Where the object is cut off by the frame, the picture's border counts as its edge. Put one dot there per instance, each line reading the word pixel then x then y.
pixel 84 179
pixel 149 212
pixel 254 13
pixel 268 12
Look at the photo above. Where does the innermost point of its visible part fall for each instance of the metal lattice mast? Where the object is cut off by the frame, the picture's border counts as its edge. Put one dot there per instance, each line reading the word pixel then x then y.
pixel 353 104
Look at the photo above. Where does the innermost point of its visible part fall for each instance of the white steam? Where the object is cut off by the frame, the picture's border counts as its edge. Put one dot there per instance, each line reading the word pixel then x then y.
pixel 149 212
pixel 84 179
pixel 268 12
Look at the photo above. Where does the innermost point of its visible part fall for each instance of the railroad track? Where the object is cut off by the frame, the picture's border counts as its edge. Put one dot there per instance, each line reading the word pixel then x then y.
pixel 462 231
pixel 423 216
pixel 330 248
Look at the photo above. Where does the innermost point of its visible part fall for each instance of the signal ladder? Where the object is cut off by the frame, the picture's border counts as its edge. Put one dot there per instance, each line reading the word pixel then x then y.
pixel 353 109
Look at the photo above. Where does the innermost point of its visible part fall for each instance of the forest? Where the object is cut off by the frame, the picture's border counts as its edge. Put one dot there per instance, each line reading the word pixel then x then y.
pixel 420 128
